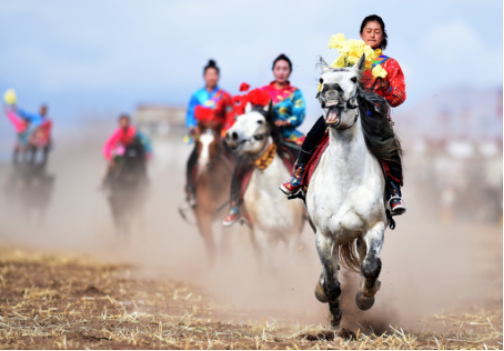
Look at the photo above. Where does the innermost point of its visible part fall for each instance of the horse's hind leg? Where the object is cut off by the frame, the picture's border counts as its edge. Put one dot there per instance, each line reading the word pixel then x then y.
pixel 329 288
pixel 369 251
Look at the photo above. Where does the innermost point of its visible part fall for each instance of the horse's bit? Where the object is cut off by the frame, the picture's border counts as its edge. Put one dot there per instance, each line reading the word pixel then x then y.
pixel 255 137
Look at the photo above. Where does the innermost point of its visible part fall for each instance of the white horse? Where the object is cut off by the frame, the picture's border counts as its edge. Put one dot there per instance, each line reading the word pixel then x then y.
pixel 345 198
pixel 274 218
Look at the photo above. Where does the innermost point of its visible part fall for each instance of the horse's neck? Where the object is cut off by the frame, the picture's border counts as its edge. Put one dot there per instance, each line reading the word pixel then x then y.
pixel 271 175
pixel 347 149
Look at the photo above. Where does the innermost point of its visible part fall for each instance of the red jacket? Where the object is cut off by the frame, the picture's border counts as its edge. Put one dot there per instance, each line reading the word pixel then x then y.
pixel 223 112
pixel 396 94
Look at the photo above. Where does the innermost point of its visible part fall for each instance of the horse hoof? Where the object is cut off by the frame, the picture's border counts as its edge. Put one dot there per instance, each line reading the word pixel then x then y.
pixel 320 294
pixel 362 302
pixel 347 335
pixel 335 323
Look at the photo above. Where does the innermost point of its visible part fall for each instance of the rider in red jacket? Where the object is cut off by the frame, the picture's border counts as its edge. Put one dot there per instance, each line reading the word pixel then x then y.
pixel 392 88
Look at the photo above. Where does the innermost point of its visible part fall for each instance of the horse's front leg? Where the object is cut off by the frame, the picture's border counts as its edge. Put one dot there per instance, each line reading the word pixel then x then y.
pixel 205 227
pixel 329 288
pixel 369 247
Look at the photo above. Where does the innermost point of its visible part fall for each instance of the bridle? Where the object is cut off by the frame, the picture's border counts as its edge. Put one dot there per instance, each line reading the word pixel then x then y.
pixel 349 104
pixel 256 137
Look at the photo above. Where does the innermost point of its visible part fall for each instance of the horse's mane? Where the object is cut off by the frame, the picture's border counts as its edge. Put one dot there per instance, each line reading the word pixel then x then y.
pixel 380 138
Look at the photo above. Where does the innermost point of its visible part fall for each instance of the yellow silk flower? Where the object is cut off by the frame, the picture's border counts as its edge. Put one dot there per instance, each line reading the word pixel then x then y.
pixel 335 40
pixel 379 71
pixel 10 97
pixel 340 62
pixel 351 51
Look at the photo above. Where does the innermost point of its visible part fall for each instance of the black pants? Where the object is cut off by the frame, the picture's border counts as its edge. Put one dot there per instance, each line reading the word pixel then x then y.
pixel 317 132
pixel 193 158
pixel 242 166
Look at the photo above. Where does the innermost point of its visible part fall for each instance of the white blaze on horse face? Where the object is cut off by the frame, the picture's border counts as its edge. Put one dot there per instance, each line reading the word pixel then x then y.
pixel 206 139
pixel 246 127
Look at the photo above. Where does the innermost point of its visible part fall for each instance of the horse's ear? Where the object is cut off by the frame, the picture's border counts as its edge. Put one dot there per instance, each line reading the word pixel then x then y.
pixel 269 107
pixel 248 107
pixel 359 66
pixel 323 65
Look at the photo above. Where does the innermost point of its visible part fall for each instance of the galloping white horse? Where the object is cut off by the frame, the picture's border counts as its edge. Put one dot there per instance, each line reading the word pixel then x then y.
pixel 345 198
pixel 274 218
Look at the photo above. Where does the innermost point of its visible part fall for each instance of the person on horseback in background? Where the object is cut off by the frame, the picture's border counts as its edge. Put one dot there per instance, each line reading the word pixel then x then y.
pixel 210 97
pixel 392 88
pixel 116 144
pixel 289 110
pixel 39 130
pixel 32 129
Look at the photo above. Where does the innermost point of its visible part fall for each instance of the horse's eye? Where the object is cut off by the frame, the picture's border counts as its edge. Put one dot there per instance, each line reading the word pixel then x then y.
pixel 321 81
pixel 354 79
pixel 260 121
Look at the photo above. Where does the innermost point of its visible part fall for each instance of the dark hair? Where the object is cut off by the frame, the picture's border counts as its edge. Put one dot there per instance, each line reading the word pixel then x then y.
pixel 376 18
pixel 284 58
pixel 211 64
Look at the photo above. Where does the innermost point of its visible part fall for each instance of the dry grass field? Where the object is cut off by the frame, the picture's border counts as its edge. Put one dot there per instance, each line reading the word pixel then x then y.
pixel 58 302
pixel 71 282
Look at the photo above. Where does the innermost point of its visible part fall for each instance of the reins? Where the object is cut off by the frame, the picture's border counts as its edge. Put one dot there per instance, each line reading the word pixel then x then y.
pixel 256 137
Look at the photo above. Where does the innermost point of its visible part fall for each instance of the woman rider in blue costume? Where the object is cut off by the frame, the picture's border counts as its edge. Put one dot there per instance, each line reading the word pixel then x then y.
pixel 212 97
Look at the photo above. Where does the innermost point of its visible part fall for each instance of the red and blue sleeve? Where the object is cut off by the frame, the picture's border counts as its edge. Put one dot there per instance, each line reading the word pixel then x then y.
pixel 396 94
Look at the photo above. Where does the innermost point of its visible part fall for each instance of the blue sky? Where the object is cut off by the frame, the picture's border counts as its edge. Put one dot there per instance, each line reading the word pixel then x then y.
pixel 103 56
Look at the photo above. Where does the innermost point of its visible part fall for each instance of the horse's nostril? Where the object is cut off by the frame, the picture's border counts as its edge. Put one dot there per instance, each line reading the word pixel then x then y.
pixel 234 136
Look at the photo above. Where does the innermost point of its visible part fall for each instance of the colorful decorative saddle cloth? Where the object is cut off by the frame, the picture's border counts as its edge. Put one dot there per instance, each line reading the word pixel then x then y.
pixel 315 159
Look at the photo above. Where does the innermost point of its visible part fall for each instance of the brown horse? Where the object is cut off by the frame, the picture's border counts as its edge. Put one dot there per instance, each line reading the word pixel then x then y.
pixel 213 183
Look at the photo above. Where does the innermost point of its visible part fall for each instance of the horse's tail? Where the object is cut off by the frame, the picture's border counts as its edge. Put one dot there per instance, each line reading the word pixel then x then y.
pixel 349 258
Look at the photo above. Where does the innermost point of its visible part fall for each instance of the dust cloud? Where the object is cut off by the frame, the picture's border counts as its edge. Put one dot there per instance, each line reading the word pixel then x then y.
pixel 428 266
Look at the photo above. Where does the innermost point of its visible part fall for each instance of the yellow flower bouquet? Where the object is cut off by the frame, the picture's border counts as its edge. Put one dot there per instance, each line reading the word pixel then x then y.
pixel 351 51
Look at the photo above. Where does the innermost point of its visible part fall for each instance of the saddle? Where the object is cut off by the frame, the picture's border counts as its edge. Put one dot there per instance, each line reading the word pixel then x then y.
pixel 315 159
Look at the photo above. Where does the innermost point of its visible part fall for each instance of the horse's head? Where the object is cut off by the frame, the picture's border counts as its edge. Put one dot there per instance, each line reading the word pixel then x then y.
pixel 250 132
pixel 338 93
pixel 209 141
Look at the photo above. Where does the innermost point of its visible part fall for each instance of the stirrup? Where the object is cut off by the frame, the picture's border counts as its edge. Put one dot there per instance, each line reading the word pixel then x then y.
pixel 190 197
pixel 232 217
pixel 398 209
pixel 288 189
